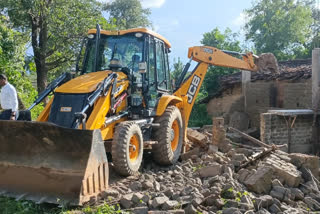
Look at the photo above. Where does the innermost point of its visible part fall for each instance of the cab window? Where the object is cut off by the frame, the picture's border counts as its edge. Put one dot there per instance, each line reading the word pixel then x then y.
pixel 160 66
pixel 167 70
pixel 151 64
pixel 128 49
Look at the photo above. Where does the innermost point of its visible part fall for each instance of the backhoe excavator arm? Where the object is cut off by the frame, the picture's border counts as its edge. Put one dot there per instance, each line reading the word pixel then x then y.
pixel 205 56
pixel 214 56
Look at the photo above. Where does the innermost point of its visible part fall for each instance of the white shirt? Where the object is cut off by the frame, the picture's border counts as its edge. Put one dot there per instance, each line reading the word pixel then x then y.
pixel 8 98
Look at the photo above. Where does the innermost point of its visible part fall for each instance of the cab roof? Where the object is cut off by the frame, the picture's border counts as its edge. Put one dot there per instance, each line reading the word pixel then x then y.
pixel 133 30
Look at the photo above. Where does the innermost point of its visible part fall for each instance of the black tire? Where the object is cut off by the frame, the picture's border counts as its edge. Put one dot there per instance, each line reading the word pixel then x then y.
pixel 168 148
pixel 126 161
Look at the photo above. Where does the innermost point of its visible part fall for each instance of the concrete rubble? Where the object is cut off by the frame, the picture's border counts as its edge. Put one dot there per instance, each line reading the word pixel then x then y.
pixel 215 176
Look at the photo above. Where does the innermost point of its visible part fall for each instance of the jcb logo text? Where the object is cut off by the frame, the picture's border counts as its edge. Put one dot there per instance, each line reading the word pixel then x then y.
pixel 193 88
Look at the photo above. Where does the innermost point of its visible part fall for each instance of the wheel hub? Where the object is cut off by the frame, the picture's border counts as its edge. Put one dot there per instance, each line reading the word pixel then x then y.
pixel 174 138
pixel 133 148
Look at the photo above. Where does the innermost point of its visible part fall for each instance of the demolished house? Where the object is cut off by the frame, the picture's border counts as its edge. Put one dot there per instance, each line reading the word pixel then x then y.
pixel 291 89
pixel 277 104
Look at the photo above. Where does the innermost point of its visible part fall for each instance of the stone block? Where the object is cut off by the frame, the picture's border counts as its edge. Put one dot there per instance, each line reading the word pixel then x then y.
pixel 281 193
pixel 137 197
pixel 190 209
pixel 284 170
pixel 179 211
pixel 243 174
pixel 159 201
pixel 308 161
pixel 197 137
pixel 260 181
pixel 225 146
pixel 297 193
pixel 263 201
pixel 210 171
pixel 187 155
pixel 218 135
pixel 126 201
pixel 312 204
pixel 169 205
pixel 140 210
pixel 218 122
pixel 274 209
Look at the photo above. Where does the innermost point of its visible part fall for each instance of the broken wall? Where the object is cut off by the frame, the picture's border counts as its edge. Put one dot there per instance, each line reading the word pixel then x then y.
pixel 274 130
pixel 231 100
pixel 260 97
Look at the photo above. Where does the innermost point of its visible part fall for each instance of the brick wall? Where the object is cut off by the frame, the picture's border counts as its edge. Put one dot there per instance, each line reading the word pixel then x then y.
pixel 262 96
pixel 273 129
pixel 297 95
pixel 258 100
pixel 230 101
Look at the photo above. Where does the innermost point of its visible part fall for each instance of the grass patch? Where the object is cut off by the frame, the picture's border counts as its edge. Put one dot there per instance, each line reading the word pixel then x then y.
pixel 11 206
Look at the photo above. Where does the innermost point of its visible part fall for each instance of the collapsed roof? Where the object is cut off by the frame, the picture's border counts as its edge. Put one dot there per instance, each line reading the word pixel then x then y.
pixel 291 70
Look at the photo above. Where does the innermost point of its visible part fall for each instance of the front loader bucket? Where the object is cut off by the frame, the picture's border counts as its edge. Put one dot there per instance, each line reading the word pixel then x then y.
pixel 46 163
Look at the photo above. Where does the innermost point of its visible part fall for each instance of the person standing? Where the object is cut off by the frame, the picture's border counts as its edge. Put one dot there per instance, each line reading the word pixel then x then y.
pixel 8 100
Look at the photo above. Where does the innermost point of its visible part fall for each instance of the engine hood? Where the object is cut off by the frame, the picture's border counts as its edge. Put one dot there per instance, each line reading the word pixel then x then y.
pixel 86 83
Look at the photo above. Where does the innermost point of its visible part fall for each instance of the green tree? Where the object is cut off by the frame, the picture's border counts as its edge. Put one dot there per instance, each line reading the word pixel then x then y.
pixel 226 40
pixel 282 27
pixel 316 24
pixel 128 14
pixel 12 50
pixel 56 29
pixel 177 69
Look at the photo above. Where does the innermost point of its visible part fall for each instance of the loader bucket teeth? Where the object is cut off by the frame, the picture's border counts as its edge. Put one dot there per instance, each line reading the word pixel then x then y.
pixel 46 163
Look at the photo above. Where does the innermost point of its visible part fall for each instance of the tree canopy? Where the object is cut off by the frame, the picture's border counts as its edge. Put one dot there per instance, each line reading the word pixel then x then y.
pixel 55 28
pixel 226 40
pixel 281 27
pixel 12 51
pixel 128 14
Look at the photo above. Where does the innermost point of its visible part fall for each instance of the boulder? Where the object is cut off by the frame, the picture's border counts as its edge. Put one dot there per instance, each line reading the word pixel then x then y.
pixel 281 193
pixel 169 205
pixel 139 210
pixel 210 171
pixel 260 181
pixel 284 170
pixel 197 137
pixel 126 201
pixel 187 155
pixel 308 161
pixel 312 204
pixel 157 202
pixel 263 201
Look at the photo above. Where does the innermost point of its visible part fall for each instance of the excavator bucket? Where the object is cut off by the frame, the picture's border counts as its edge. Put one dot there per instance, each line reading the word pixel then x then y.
pixel 47 163
pixel 267 63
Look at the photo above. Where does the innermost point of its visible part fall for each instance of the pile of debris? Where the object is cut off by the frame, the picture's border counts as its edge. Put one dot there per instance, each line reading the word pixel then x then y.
pixel 219 176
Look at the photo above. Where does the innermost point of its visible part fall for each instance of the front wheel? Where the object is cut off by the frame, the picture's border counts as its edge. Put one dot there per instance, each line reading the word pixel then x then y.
pixel 127 148
pixel 169 136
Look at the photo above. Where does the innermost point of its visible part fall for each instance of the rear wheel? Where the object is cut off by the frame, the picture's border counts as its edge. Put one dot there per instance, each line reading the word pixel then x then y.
pixel 169 136
pixel 127 148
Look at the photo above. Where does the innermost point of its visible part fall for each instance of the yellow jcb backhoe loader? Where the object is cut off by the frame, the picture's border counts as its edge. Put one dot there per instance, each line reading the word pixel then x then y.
pixel 120 101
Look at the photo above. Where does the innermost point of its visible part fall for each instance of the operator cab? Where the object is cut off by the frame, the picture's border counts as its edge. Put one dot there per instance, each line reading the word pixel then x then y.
pixel 139 53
